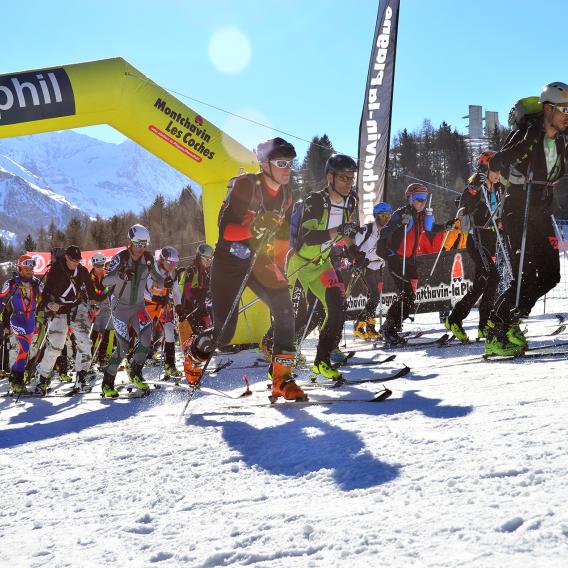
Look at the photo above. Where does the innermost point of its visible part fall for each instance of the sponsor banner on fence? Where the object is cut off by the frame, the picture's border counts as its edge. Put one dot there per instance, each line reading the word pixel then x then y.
pixel 448 285
pixel 42 259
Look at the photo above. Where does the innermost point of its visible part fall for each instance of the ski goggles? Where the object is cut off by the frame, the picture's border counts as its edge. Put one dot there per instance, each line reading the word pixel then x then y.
pixel 139 244
pixel 27 263
pixel 561 108
pixel 345 178
pixel 282 163
pixel 99 264
pixel 420 197
pixel 169 262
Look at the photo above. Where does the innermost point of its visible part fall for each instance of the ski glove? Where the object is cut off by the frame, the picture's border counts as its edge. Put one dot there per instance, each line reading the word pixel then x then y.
pixel 126 274
pixel 168 282
pixel 348 230
pixel 263 223
pixel 180 312
pixel 405 218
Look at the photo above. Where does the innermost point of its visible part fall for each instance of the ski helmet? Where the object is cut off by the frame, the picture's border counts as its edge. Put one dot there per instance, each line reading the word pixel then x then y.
pixel 26 261
pixel 340 163
pixel 274 148
pixel 98 259
pixel 138 234
pixel 169 255
pixel 205 251
pixel 416 190
pixel 483 160
pixel 380 208
pixel 554 93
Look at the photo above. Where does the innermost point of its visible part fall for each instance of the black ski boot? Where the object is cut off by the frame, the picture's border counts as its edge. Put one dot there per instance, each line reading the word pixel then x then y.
pixel 391 336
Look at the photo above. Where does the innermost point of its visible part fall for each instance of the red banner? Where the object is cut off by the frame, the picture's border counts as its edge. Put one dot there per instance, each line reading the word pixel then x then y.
pixel 44 258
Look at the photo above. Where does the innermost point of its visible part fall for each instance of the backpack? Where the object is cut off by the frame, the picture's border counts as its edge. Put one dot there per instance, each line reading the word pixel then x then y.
pixel 296 225
pixel 256 201
pixel 523 111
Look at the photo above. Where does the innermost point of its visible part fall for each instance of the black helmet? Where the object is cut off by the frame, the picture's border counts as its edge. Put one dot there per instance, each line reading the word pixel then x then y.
pixel 340 163
pixel 274 148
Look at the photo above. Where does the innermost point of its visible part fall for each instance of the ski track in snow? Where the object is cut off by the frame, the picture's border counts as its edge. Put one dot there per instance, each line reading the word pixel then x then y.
pixel 463 466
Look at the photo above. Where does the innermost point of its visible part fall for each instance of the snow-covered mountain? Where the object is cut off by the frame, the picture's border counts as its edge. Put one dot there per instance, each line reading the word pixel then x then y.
pixel 60 174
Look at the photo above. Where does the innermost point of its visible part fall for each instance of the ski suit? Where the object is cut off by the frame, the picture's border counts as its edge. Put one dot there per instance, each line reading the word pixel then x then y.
pixel 75 294
pixel 481 245
pixel 528 152
pixel 194 284
pixel 366 242
pixel 391 246
pixel 313 268
pixel 249 197
pixel 103 321
pixel 128 281
pixel 18 302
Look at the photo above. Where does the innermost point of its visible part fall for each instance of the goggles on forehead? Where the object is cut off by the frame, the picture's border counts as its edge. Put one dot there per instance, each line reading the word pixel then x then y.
pixel 282 163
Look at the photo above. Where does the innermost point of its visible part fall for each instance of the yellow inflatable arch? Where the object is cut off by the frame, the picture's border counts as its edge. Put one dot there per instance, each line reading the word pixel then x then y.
pixel 111 91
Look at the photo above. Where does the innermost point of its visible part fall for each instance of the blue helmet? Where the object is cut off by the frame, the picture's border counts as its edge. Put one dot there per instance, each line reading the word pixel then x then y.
pixel 381 208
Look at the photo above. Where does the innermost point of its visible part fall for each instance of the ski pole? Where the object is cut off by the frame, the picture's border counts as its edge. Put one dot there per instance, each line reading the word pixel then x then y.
pixel 524 238
pixel 498 233
pixel 312 312
pixel 402 295
pixel 261 245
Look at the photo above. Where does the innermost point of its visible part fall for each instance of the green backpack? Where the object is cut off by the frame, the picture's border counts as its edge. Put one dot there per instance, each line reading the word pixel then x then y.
pixel 524 110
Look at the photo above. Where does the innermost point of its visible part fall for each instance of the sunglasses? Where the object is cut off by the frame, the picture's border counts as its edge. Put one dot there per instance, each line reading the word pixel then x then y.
pixel 170 262
pixel 282 163
pixel 345 179
pixel 99 264
pixel 562 109
pixel 139 244
pixel 383 215
pixel 29 262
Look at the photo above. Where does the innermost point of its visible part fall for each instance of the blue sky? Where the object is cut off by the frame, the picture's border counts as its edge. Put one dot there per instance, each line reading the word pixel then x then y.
pixel 301 65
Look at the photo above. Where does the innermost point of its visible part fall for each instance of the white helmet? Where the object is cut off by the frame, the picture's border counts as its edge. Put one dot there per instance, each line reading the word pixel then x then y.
pixel 139 233
pixel 555 93
pixel 169 254
pixel 98 259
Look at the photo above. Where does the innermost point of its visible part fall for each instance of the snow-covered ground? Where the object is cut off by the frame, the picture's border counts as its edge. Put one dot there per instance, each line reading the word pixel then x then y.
pixel 465 465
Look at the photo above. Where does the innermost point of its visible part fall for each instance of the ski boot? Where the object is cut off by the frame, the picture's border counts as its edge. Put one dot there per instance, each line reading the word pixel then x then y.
pixel 515 335
pixel 198 350
pixel 360 331
pixel 17 384
pixel 65 377
pixel 482 331
pixel 497 342
pixel 457 329
pixel 83 385
pixel 325 369
pixel 391 336
pixel 337 356
pixel 108 390
pixel 283 384
pixel 136 377
pixel 170 361
pixel 42 387
pixel 372 333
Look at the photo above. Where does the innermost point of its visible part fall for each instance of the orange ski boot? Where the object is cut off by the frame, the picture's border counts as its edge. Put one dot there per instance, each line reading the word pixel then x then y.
pixel 283 384
pixel 197 350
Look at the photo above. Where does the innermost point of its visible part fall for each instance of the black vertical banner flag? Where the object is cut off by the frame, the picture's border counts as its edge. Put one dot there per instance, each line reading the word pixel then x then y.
pixel 374 130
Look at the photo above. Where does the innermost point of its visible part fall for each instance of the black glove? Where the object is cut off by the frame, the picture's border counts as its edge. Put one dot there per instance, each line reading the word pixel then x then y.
pixel 450 224
pixel 405 218
pixel 263 223
pixel 126 274
pixel 348 230
pixel 180 312
pixel 359 258
pixel 168 282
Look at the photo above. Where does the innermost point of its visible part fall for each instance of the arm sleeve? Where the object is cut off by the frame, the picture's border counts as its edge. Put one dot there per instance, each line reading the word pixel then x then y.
pixel 89 286
pixel 112 279
pixel 311 217
pixel 520 145
pixel 238 215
